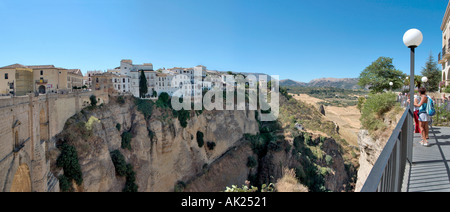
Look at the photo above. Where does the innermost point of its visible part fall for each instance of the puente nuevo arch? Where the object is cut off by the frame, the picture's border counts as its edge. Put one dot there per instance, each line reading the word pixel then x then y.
pixel 27 130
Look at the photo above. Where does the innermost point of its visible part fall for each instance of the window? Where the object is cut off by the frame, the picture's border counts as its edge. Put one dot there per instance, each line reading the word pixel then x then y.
pixel 42 72
pixel 6 75
pixel 124 80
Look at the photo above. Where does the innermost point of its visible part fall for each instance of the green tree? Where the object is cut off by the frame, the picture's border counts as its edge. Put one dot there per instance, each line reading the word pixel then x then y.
pixel 93 99
pixel 418 81
pixel 68 160
pixel 432 72
pixel 143 89
pixel 163 100
pixel 378 75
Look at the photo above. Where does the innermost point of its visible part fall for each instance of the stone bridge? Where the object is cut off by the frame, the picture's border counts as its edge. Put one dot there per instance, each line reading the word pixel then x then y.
pixel 27 129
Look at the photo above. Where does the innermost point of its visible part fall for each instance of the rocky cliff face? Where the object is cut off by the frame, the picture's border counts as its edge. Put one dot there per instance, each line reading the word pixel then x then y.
pixel 165 155
pixel 162 152
pixel 371 145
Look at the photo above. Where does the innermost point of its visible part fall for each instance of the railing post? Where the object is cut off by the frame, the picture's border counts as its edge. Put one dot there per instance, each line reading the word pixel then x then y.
pixel 409 147
pixel 398 178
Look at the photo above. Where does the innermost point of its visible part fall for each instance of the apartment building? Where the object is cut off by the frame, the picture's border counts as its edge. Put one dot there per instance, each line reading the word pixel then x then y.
pixel 135 75
pixel 88 77
pixel 103 82
pixel 16 79
pixel 444 56
pixel 49 79
pixel 74 79
pixel 19 79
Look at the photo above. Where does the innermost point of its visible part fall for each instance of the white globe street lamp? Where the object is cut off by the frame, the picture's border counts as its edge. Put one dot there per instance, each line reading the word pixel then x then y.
pixel 424 80
pixel 412 39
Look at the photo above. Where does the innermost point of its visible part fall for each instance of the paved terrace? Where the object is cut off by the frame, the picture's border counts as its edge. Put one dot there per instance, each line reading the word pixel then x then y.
pixel 430 170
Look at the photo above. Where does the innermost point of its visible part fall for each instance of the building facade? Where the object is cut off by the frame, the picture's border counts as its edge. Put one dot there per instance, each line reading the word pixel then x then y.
pixel 74 79
pixel 49 79
pixel 135 75
pixel 16 80
pixel 88 77
pixel 20 80
pixel 444 56
pixel 103 82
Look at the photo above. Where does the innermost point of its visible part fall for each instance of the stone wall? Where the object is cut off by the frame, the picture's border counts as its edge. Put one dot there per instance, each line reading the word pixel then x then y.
pixel 28 126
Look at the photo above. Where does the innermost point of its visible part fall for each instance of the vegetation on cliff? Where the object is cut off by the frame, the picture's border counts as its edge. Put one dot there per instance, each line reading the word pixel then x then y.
pixel 316 156
pixel 375 108
pixel 68 160
pixel 124 169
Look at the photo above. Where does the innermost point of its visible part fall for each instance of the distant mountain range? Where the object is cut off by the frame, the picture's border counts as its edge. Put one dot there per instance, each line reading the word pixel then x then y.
pixel 345 83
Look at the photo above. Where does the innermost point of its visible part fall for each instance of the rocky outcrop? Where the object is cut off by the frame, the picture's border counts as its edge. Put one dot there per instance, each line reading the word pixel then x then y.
pixel 322 109
pixel 336 179
pixel 371 145
pixel 162 152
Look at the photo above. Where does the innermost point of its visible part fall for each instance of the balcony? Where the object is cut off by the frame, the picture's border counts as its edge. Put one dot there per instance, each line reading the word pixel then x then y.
pixel 444 55
pixel 41 82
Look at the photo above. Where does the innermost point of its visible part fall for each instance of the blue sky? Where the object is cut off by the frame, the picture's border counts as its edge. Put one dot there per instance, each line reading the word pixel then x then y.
pixel 296 39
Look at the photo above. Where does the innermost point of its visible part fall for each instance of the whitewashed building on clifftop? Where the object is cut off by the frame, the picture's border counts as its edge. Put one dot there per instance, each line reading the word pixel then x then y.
pixel 444 56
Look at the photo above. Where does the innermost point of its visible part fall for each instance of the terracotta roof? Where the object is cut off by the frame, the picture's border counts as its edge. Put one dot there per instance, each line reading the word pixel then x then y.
pixel 141 70
pixel 75 71
pixel 161 75
pixel 13 66
pixel 41 66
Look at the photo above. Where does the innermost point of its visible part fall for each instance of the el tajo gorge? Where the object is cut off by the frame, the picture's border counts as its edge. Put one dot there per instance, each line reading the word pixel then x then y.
pixel 28 125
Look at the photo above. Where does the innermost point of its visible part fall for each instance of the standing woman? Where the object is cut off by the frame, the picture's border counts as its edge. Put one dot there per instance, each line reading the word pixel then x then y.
pixel 423 115
pixel 416 114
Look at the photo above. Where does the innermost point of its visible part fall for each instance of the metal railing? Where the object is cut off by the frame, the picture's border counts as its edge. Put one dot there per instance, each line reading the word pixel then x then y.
pixel 388 171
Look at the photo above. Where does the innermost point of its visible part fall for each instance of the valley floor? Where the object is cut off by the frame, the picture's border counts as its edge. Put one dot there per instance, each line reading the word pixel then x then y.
pixel 346 117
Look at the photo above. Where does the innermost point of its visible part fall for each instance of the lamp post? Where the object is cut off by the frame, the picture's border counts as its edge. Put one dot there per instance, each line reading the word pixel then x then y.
pixel 412 39
pixel 391 84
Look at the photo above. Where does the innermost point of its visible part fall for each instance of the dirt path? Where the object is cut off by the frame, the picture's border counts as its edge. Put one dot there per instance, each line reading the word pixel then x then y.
pixel 346 117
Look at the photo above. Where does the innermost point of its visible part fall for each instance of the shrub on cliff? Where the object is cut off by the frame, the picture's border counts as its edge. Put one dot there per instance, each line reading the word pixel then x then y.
pixel 163 100
pixel 130 185
pixel 119 162
pixel 64 183
pixel 121 100
pixel 374 109
pixel 124 169
pixel 126 140
pixel 93 99
pixel 211 145
pixel 179 186
pixel 183 116
pixel 145 106
pixel 251 162
pixel 68 160
pixel 200 141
